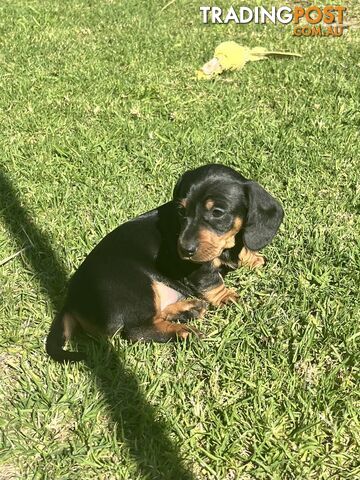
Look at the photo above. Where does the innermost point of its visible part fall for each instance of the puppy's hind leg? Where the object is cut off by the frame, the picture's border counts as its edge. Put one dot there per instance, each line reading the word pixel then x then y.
pixel 61 330
pixel 162 329
pixel 185 310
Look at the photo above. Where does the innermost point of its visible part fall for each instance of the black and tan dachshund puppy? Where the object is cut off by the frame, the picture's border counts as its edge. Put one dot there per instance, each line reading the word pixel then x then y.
pixel 139 278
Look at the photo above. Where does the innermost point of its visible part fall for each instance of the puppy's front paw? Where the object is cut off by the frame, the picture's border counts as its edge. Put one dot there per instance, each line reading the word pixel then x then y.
pixel 231 296
pixel 248 258
pixel 220 295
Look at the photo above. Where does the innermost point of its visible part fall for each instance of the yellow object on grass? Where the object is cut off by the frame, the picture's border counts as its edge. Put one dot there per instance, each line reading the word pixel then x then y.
pixel 232 56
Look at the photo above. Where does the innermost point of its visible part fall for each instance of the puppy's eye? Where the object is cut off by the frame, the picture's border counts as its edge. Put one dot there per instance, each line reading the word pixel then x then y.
pixel 218 212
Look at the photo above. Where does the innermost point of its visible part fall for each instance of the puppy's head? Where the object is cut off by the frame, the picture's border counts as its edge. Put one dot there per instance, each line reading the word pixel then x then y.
pixel 216 206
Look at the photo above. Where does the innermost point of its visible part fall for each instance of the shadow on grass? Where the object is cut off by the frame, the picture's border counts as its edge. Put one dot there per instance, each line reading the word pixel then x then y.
pixel 136 426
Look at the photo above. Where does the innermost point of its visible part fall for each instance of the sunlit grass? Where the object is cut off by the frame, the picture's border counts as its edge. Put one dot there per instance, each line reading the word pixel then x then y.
pixel 100 114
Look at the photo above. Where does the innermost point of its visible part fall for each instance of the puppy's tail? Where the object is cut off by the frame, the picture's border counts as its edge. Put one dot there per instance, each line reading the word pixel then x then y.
pixel 60 331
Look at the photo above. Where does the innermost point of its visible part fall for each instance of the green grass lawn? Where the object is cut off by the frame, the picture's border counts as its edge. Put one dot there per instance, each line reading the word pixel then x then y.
pixel 100 114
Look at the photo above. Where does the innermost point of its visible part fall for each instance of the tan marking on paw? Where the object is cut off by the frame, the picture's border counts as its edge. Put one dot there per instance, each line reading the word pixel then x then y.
pixel 251 259
pixel 220 295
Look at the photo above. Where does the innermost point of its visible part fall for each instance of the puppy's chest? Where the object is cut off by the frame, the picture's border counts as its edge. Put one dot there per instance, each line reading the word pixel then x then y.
pixel 166 295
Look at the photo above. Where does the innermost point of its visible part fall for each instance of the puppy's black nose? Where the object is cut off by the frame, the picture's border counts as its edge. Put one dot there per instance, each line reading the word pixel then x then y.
pixel 187 250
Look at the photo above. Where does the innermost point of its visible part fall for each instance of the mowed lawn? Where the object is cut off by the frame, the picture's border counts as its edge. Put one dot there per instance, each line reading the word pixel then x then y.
pixel 100 114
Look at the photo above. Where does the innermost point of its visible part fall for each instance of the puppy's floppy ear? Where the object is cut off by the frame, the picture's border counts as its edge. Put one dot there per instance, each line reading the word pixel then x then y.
pixel 264 217
pixel 182 185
